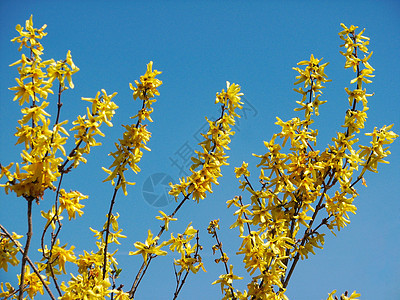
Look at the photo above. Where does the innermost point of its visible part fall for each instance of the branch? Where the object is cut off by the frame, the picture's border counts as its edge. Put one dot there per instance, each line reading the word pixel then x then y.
pixel 26 249
pixel 108 226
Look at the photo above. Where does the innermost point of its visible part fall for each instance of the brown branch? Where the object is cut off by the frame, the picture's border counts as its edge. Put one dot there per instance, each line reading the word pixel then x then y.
pixel 245 215
pixel 54 279
pixel 54 218
pixel 26 249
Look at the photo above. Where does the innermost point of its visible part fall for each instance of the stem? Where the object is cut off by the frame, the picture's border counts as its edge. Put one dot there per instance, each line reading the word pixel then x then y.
pixel 245 215
pixel 223 259
pixel 26 249
pixel 55 217
pixel 251 187
pixel 59 104
pixel 54 280
pixel 179 287
pixel 358 85
pixel 139 277
pixel 108 227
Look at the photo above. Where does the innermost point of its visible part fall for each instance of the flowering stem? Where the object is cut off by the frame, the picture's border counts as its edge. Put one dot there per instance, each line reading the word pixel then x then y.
pixel 358 84
pixel 244 214
pixel 179 283
pixel 108 227
pixel 53 235
pixel 146 263
pixel 138 124
pixel 224 260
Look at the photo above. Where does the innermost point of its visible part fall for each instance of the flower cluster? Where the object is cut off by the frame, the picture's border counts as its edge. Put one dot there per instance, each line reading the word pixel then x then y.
pixel 88 126
pixel 89 284
pixel 190 258
pixel 313 77
pixel 207 165
pixel 149 247
pixel 45 160
pixel 345 296
pixel 283 222
pixel 9 250
pixel 95 269
pixel 42 140
pixel 32 283
pixel 129 149
pixel 206 169
pixel 112 236
pixel 58 255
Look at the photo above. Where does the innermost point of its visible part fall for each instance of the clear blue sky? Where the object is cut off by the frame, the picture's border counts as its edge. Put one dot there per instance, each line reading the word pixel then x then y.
pixel 199 45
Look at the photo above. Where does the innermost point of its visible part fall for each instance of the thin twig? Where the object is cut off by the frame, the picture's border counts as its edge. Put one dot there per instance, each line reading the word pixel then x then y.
pixel 108 226
pixel 223 258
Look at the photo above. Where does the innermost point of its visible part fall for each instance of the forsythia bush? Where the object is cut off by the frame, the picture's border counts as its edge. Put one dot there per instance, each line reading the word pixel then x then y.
pixel 280 218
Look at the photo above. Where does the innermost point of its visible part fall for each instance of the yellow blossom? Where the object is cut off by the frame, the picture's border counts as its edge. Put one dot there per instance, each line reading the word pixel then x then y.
pixel 227 279
pixel 59 255
pixel 71 202
pixel 33 283
pixel 165 218
pixel 148 247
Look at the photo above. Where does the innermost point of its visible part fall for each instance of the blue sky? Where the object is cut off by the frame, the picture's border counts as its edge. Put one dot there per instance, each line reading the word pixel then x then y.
pixel 199 45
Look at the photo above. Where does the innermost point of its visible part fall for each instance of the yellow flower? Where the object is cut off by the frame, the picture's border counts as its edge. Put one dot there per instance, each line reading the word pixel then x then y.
pixel 33 285
pixel 147 87
pixel 165 218
pixel 62 69
pixel 242 170
pixel 70 202
pixel 10 290
pixel 49 216
pixel 227 279
pixel 30 37
pixel 120 295
pixel 60 255
pixel 148 247
pixel 353 296
pixel 9 251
